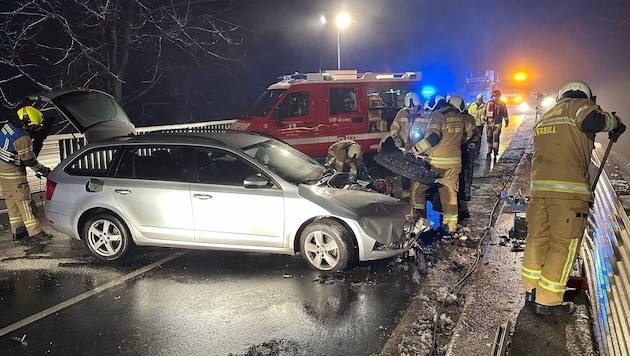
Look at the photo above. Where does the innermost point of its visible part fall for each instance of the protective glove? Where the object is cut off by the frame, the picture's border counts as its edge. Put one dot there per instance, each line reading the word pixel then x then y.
pixel 398 141
pixel 417 153
pixel 614 134
pixel 45 171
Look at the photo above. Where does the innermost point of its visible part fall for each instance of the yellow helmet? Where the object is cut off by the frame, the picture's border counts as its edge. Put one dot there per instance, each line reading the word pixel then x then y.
pixel 30 116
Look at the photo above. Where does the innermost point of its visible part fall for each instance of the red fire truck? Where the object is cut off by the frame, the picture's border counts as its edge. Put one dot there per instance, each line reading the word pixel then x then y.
pixel 312 111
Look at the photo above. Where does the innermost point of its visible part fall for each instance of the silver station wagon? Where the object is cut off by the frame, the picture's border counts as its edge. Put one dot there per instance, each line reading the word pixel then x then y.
pixel 229 191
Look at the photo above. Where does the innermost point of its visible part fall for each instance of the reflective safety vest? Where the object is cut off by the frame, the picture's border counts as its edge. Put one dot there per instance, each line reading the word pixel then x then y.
pixel 8 135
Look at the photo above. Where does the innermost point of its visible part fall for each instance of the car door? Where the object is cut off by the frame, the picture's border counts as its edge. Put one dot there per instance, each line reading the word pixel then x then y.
pixel 226 213
pixel 150 188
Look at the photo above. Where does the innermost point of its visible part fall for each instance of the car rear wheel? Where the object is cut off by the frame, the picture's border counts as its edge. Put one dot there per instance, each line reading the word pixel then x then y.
pixel 107 237
pixel 327 246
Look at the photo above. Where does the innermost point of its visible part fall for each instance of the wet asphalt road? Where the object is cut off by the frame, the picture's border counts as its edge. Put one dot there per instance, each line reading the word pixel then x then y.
pixel 166 302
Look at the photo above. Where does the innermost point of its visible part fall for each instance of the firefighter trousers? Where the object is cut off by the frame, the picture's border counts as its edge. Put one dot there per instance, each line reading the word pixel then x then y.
pixel 447 190
pixel 555 229
pixel 17 195
pixel 493 132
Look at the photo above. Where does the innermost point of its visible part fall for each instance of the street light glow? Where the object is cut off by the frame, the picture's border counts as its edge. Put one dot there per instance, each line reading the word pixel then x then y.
pixel 342 20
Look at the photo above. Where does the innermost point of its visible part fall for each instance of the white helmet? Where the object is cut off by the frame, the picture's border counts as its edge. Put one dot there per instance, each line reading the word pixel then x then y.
pixel 412 100
pixel 575 90
pixel 457 102
pixel 435 102
pixel 354 150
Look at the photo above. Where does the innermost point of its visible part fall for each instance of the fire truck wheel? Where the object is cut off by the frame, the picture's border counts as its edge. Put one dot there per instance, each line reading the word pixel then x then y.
pixel 327 246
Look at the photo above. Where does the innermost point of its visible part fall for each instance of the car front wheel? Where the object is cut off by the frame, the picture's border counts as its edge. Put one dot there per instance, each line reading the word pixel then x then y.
pixel 327 246
pixel 107 237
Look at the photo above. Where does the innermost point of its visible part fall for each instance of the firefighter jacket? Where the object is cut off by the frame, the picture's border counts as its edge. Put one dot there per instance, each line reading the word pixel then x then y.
pixel 16 153
pixel 563 141
pixel 338 158
pixel 409 127
pixel 496 112
pixel 471 135
pixel 443 138
pixel 478 112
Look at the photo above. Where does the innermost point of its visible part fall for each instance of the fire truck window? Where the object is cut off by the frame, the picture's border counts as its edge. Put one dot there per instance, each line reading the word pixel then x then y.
pixel 295 104
pixel 343 100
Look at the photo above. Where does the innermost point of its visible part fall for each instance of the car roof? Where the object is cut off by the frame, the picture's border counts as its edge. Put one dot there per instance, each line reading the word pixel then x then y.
pixel 232 139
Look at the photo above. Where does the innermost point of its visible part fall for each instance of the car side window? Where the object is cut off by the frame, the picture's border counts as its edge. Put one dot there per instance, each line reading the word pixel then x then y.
pixel 151 162
pixel 94 163
pixel 343 100
pixel 216 166
pixel 295 104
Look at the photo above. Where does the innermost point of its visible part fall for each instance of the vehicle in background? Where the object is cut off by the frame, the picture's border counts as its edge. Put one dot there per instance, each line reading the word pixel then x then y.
pixel 478 82
pixel 516 92
pixel 314 110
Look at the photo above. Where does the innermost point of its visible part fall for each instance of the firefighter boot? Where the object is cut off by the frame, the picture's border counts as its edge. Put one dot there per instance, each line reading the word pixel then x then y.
pixel 40 238
pixel 20 233
pixel 530 297
pixel 463 213
pixel 566 308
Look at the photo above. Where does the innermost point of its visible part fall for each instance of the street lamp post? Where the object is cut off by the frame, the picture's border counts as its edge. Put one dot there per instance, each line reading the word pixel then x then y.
pixel 342 21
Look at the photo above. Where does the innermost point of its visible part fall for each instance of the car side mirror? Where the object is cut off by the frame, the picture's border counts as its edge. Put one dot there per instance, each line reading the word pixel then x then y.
pixel 256 181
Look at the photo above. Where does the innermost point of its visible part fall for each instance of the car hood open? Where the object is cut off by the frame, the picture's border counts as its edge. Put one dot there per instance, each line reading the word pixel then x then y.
pixel 95 114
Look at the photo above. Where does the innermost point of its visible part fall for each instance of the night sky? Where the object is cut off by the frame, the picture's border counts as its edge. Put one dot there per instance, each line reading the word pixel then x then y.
pixel 554 41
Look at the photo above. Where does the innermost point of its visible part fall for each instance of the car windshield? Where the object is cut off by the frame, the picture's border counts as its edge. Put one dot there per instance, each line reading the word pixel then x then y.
pixel 287 162
pixel 265 102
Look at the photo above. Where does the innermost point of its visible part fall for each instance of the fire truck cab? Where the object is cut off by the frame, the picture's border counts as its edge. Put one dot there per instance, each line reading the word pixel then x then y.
pixel 314 110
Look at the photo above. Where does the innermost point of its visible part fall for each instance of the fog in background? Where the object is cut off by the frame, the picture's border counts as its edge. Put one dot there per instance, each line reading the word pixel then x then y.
pixel 554 41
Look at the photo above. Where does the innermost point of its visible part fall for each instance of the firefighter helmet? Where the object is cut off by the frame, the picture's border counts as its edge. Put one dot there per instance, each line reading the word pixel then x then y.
pixel 457 102
pixel 412 100
pixel 496 92
pixel 354 150
pixel 30 116
pixel 435 102
pixel 479 96
pixel 575 90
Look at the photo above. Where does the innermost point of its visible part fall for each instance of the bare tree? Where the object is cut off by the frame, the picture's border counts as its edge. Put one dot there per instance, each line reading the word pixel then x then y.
pixel 125 47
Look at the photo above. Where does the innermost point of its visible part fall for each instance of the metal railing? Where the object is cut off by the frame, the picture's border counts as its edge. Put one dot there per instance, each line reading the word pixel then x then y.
pixel 606 256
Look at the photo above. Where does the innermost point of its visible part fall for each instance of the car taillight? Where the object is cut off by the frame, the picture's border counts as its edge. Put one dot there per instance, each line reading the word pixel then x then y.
pixel 50 188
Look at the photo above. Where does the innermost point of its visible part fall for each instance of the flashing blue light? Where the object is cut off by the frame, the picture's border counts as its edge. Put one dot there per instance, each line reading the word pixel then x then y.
pixel 427 91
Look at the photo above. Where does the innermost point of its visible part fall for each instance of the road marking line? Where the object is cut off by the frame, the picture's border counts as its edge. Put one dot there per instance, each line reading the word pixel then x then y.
pixel 85 295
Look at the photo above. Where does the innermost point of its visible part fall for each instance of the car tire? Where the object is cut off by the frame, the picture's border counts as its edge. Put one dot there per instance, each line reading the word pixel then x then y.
pixel 326 245
pixel 107 237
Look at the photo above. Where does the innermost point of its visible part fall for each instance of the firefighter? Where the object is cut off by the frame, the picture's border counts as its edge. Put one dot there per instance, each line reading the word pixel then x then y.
pixel 16 154
pixel 347 156
pixel 496 115
pixel 408 128
pixel 470 141
pixel 560 193
pixel 478 110
pixel 441 148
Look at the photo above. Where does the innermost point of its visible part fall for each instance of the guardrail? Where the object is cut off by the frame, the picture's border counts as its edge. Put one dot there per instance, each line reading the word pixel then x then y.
pixel 606 257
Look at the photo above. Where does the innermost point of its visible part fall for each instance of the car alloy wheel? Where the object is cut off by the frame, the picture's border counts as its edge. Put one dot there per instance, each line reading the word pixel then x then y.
pixel 106 237
pixel 327 246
